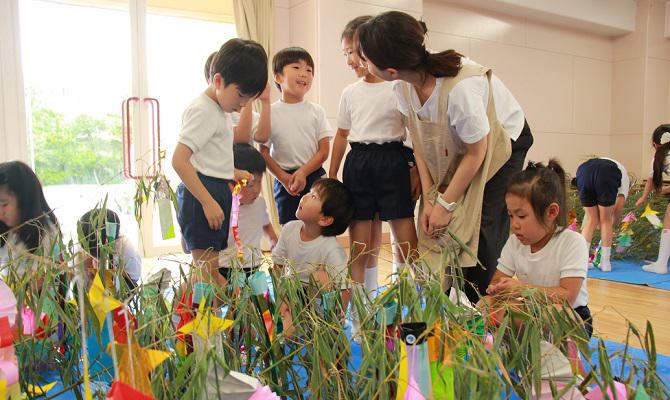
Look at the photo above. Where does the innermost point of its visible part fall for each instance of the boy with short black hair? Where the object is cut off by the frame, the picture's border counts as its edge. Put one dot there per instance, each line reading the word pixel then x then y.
pixel 300 133
pixel 203 158
pixel 310 242
pixel 309 245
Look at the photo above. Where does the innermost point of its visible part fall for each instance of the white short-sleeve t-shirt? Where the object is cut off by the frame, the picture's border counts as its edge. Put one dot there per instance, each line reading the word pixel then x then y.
pixel 126 251
pixel 625 179
pixel 306 257
pixel 468 102
pixel 295 132
pixel 206 130
pixel 253 217
pixel 370 112
pixel 565 256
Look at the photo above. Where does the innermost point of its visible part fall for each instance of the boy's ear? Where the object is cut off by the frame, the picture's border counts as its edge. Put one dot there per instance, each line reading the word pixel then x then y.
pixel 279 78
pixel 217 80
pixel 325 221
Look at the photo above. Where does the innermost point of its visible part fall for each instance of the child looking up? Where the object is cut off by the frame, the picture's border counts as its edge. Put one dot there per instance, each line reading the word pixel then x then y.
pixel 204 155
pixel 308 245
pixel 300 134
pixel 661 141
pixel 541 253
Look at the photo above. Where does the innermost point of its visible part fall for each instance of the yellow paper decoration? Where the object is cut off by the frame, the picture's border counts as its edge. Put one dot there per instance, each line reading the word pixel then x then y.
pixel 101 303
pixel 136 363
pixel 38 390
pixel 205 323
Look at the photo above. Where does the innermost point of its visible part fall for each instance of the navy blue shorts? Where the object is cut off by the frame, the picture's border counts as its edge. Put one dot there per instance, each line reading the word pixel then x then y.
pixel 378 177
pixel 598 182
pixel 287 205
pixel 585 314
pixel 191 217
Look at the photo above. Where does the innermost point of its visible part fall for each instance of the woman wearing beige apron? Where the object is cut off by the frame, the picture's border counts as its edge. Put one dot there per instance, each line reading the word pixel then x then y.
pixel 469 135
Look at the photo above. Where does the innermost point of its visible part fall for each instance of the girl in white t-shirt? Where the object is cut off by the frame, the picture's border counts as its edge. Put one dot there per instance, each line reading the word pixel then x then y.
pixel 27 223
pixel 661 142
pixel 377 170
pixel 541 253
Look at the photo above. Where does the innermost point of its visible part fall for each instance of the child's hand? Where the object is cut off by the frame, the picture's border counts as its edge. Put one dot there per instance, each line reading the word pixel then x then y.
pixel 265 95
pixel 285 180
pixel 242 174
pixel 214 214
pixel 504 285
pixel 414 183
pixel 298 181
pixel 640 201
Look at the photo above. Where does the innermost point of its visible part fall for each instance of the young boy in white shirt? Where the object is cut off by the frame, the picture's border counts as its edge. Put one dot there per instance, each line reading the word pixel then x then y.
pixel 309 246
pixel 203 158
pixel 253 220
pixel 300 133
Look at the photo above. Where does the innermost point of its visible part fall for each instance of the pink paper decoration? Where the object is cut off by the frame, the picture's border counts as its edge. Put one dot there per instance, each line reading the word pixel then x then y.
pixel 264 393
pixel 597 393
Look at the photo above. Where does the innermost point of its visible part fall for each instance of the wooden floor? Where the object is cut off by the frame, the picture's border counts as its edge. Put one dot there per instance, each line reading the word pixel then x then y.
pixel 612 303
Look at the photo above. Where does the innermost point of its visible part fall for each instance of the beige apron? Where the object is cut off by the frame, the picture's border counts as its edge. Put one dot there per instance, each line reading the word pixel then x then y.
pixel 435 142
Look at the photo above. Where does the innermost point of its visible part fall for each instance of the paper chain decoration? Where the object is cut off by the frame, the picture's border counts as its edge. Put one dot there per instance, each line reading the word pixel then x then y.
pixel 235 216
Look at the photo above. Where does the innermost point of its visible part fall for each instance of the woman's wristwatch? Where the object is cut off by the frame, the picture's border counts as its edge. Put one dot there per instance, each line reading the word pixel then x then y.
pixel 451 207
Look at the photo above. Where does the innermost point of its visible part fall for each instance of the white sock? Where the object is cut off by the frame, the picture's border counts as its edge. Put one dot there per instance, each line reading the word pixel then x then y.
pixel 605 264
pixel 371 281
pixel 661 264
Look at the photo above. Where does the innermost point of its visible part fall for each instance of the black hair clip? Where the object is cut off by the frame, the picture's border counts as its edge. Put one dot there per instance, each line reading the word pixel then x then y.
pixel 531 165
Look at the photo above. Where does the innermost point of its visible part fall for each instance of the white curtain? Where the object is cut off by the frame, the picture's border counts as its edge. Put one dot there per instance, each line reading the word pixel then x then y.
pixel 254 20
pixel 13 130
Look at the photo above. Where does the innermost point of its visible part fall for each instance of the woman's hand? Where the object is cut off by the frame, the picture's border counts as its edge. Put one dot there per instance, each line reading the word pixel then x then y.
pixel 439 220
pixel 425 215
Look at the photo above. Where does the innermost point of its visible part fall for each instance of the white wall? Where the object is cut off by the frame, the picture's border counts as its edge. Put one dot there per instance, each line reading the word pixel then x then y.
pixel 583 93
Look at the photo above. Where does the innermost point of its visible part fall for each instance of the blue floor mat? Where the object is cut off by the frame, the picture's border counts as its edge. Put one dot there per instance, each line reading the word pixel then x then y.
pixel 627 271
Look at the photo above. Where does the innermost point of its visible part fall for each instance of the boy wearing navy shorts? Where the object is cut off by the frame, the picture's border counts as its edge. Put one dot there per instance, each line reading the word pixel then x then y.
pixel 300 133
pixel 203 158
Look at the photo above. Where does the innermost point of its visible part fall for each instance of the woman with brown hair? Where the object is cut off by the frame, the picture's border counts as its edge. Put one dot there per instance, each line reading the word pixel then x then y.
pixel 469 133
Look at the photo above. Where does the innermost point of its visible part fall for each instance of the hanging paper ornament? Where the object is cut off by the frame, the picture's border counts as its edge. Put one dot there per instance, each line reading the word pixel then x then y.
pixel 419 385
pixel 121 391
pixel 100 301
pixel 652 217
pixel 265 305
pixel 136 364
pixel 235 216
pixel 572 220
pixel 628 218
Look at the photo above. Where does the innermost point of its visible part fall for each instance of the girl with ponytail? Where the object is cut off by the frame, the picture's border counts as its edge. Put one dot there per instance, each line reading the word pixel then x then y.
pixel 467 144
pixel 541 253
pixel 660 139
